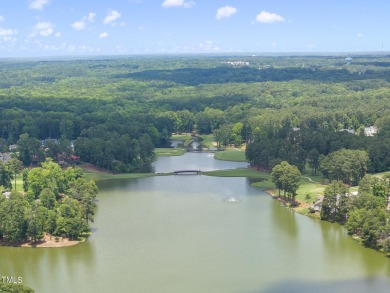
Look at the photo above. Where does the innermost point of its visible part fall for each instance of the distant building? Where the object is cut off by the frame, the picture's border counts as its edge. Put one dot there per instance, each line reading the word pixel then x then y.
pixel 370 131
pixel 12 147
pixel 348 130
pixel 44 142
pixel 348 60
pixel 237 63
pixel 318 204
pixel 5 157
pixel 6 194
pixel 296 128
pixel 75 159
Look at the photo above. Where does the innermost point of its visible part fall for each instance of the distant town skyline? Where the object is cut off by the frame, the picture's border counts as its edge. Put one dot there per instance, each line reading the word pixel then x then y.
pixel 32 28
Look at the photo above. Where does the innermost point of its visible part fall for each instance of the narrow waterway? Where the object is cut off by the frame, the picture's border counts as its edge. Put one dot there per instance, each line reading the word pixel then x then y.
pixel 180 234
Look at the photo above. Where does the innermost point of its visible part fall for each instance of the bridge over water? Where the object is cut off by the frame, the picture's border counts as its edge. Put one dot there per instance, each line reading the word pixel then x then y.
pixel 187 172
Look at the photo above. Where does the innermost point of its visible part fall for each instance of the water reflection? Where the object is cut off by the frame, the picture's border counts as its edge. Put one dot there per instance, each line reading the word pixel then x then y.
pixel 285 221
pixel 364 285
pixel 177 234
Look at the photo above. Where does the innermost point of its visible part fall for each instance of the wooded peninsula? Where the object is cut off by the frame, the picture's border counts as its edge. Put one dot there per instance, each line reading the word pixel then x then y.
pixel 330 113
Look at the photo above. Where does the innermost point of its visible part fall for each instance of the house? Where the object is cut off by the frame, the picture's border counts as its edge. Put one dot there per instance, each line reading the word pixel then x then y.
pixel 47 141
pixel 317 205
pixel 5 157
pixel 370 131
pixel 75 159
pixel 12 147
pixel 6 194
pixel 237 63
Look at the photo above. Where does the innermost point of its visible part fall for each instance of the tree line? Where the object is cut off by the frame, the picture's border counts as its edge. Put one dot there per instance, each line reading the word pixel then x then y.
pixel 114 111
pixel 365 213
pixel 55 201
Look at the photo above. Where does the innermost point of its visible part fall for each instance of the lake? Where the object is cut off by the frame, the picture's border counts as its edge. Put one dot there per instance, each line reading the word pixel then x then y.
pixel 180 234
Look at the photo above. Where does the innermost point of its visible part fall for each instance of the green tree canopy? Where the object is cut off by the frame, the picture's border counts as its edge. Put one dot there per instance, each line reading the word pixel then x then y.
pixel 286 177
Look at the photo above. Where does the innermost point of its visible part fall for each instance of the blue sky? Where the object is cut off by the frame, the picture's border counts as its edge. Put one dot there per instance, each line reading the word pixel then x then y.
pixel 101 27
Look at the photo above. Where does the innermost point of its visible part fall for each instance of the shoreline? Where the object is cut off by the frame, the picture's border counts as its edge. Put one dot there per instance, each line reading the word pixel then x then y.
pixel 48 241
pixel 302 208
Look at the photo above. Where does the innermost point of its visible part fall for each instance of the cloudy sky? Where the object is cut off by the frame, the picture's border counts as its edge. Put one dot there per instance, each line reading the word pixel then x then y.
pixel 112 27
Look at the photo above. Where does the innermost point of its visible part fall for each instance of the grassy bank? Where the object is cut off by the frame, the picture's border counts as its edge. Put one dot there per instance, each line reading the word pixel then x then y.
pixel 186 138
pixel 307 192
pixel 99 176
pixel 310 187
pixel 165 152
pixel 208 140
pixel 242 172
pixel 234 155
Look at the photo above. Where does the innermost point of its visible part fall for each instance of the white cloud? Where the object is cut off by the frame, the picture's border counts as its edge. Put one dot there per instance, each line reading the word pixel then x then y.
pixel 44 29
pixel 7 35
pixel 177 3
pixel 64 47
pixel 111 16
pixel 268 17
pixel 79 25
pixel 58 34
pixel 38 4
pixel 225 11
pixel 103 35
pixel 1 18
pixel 172 3
pixel 82 24
pixel 91 16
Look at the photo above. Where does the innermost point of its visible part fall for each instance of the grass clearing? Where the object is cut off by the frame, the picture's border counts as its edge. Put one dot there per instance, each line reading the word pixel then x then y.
pixel 208 140
pixel 234 155
pixel 305 211
pixel 381 174
pixel 165 152
pixel 265 184
pixel 19 184
pixel 308 191
pixel 241 172
pixel 186 138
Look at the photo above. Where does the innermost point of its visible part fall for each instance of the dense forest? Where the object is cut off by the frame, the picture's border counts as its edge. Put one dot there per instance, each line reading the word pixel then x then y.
pixel 113 112
pixel 55 202
pixel 288 112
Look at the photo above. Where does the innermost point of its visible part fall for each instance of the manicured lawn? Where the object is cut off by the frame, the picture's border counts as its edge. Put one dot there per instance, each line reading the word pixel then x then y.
pixel 305 211
pixel 307 192
pixel 186 138
pixel 382 174
pixel 208 140
pixel 231 155
pixel 313 189
pixel 19 184
pixel 181 137
pixel 164 152
pixel 265 184
pixel 243 172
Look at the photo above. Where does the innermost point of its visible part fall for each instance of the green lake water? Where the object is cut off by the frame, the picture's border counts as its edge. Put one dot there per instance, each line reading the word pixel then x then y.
pixel 179 234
